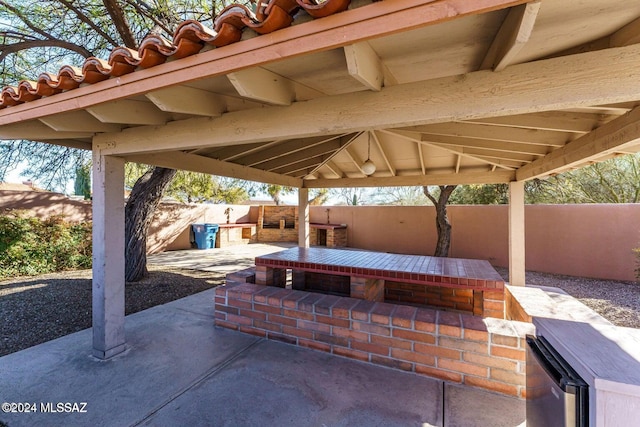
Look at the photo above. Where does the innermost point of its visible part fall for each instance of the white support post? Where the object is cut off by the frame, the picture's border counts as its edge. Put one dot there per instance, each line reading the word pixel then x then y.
pixel 108 255
pixel 303 217
pixel 516 234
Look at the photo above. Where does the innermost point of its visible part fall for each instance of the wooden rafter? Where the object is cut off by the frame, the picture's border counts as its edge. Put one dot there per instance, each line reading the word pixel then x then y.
pixel 495 133
pixel 507 147
pixel 553 83
pixel 328 147
pixel 344 148
pixel 421 157
pixel 496 177
pixel 512 36
pixel 188 100
pixel 452 150
pixel 284 149
pixel 195 163
pixel 385 157
pixel 608 138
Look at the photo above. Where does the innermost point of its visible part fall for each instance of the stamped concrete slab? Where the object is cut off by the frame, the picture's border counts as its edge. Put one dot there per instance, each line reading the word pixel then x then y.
pixel 170 348
pixel 470 407
pixel 181 370
pixel 219 260
pixel 275 384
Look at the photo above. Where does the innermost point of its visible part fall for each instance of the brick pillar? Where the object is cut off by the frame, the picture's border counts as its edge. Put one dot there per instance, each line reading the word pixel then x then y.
pixel 493 304
pixel 271 276
pixel 367 289
pixel 298 280
pixel 478 299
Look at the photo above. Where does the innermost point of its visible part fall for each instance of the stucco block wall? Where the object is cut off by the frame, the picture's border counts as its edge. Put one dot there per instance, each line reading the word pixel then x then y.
pixel 579 240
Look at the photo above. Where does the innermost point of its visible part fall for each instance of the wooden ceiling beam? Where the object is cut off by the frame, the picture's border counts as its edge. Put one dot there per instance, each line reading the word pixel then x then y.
pixel 263 85
pixel 496 177
pixel 129 111
pixel 608 138
pixel 512 36
pixel 552 84
pixel 35 130
pixel 352 26
pixel 188 100
pixel 364 65
pixel 195 163
pixel 627 35
pixel 78 121
pixel 71 143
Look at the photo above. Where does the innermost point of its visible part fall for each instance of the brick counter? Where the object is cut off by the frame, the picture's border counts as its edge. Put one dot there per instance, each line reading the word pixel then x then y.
pixel 487 353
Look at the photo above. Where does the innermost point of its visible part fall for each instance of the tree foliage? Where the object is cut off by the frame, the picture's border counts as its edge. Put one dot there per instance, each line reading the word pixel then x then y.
pixel 82 184
pixel 40 36
pixel 30 246
pixel 276 191
pixel 615 180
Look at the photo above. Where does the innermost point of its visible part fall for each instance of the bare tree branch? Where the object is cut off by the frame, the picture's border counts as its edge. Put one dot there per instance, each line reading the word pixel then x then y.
pixel 17 47
pixel 26 21
pixel 82 17
pixel 146 10
pixel 120 21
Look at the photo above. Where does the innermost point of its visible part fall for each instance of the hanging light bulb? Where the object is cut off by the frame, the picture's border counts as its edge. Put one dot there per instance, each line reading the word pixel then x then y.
pixel 368 167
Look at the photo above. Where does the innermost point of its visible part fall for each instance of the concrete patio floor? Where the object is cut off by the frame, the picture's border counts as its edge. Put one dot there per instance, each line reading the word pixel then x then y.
pixel 179 370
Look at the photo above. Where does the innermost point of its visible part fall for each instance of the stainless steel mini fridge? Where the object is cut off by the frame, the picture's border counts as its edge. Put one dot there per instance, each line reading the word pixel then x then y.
pixel 556 395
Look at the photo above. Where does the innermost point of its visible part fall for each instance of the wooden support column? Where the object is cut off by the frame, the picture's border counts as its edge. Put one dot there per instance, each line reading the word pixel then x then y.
pixel 108 255
pixel 303 217
pixel 516 234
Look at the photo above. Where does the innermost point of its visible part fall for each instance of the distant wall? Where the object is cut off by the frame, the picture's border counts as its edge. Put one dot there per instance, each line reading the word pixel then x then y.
pixel 578 240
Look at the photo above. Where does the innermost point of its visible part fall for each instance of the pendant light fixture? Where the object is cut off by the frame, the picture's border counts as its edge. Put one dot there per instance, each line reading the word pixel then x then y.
pixel 368 167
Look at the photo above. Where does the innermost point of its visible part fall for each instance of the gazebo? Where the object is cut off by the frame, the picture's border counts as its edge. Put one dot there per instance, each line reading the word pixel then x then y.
pixel 341 93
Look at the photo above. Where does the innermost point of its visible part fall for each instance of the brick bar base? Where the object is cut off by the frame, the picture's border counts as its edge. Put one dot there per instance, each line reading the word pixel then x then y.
pixel 487 353
pixel 367 289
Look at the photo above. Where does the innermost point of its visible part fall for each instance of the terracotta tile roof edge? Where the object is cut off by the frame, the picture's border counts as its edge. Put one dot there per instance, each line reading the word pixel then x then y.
pixel 189 38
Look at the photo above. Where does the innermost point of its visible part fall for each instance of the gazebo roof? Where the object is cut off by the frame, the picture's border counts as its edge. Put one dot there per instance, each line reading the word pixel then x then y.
pixel 301 94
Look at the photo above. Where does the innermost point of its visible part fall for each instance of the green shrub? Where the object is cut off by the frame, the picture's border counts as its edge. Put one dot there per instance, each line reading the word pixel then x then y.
pixel 31 246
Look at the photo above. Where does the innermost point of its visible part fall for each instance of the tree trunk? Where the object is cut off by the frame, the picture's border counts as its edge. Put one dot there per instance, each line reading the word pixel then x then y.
pixel 442 221
pixel 143 201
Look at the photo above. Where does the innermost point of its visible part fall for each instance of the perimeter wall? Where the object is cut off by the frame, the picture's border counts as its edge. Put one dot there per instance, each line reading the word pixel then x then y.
pixel 577 240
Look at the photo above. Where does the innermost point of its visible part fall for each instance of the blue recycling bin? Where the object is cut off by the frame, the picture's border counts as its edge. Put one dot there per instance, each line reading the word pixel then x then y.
pixel 204 235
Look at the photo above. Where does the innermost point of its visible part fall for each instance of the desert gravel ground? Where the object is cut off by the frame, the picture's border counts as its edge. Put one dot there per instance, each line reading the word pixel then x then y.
pixel 40 308
pixel 618 302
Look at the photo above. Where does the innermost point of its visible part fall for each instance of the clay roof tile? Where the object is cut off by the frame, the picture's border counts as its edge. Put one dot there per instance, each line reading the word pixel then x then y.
pixel 188 39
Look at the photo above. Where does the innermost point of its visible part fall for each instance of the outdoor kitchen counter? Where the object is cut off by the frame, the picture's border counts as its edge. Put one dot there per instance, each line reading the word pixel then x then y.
pixel 368 271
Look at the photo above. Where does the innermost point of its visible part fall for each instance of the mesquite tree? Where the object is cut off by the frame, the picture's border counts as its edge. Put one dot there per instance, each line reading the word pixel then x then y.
pixel 37 36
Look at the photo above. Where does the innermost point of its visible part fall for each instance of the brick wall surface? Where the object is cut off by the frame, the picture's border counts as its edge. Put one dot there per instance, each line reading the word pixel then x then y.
pixel 487 353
